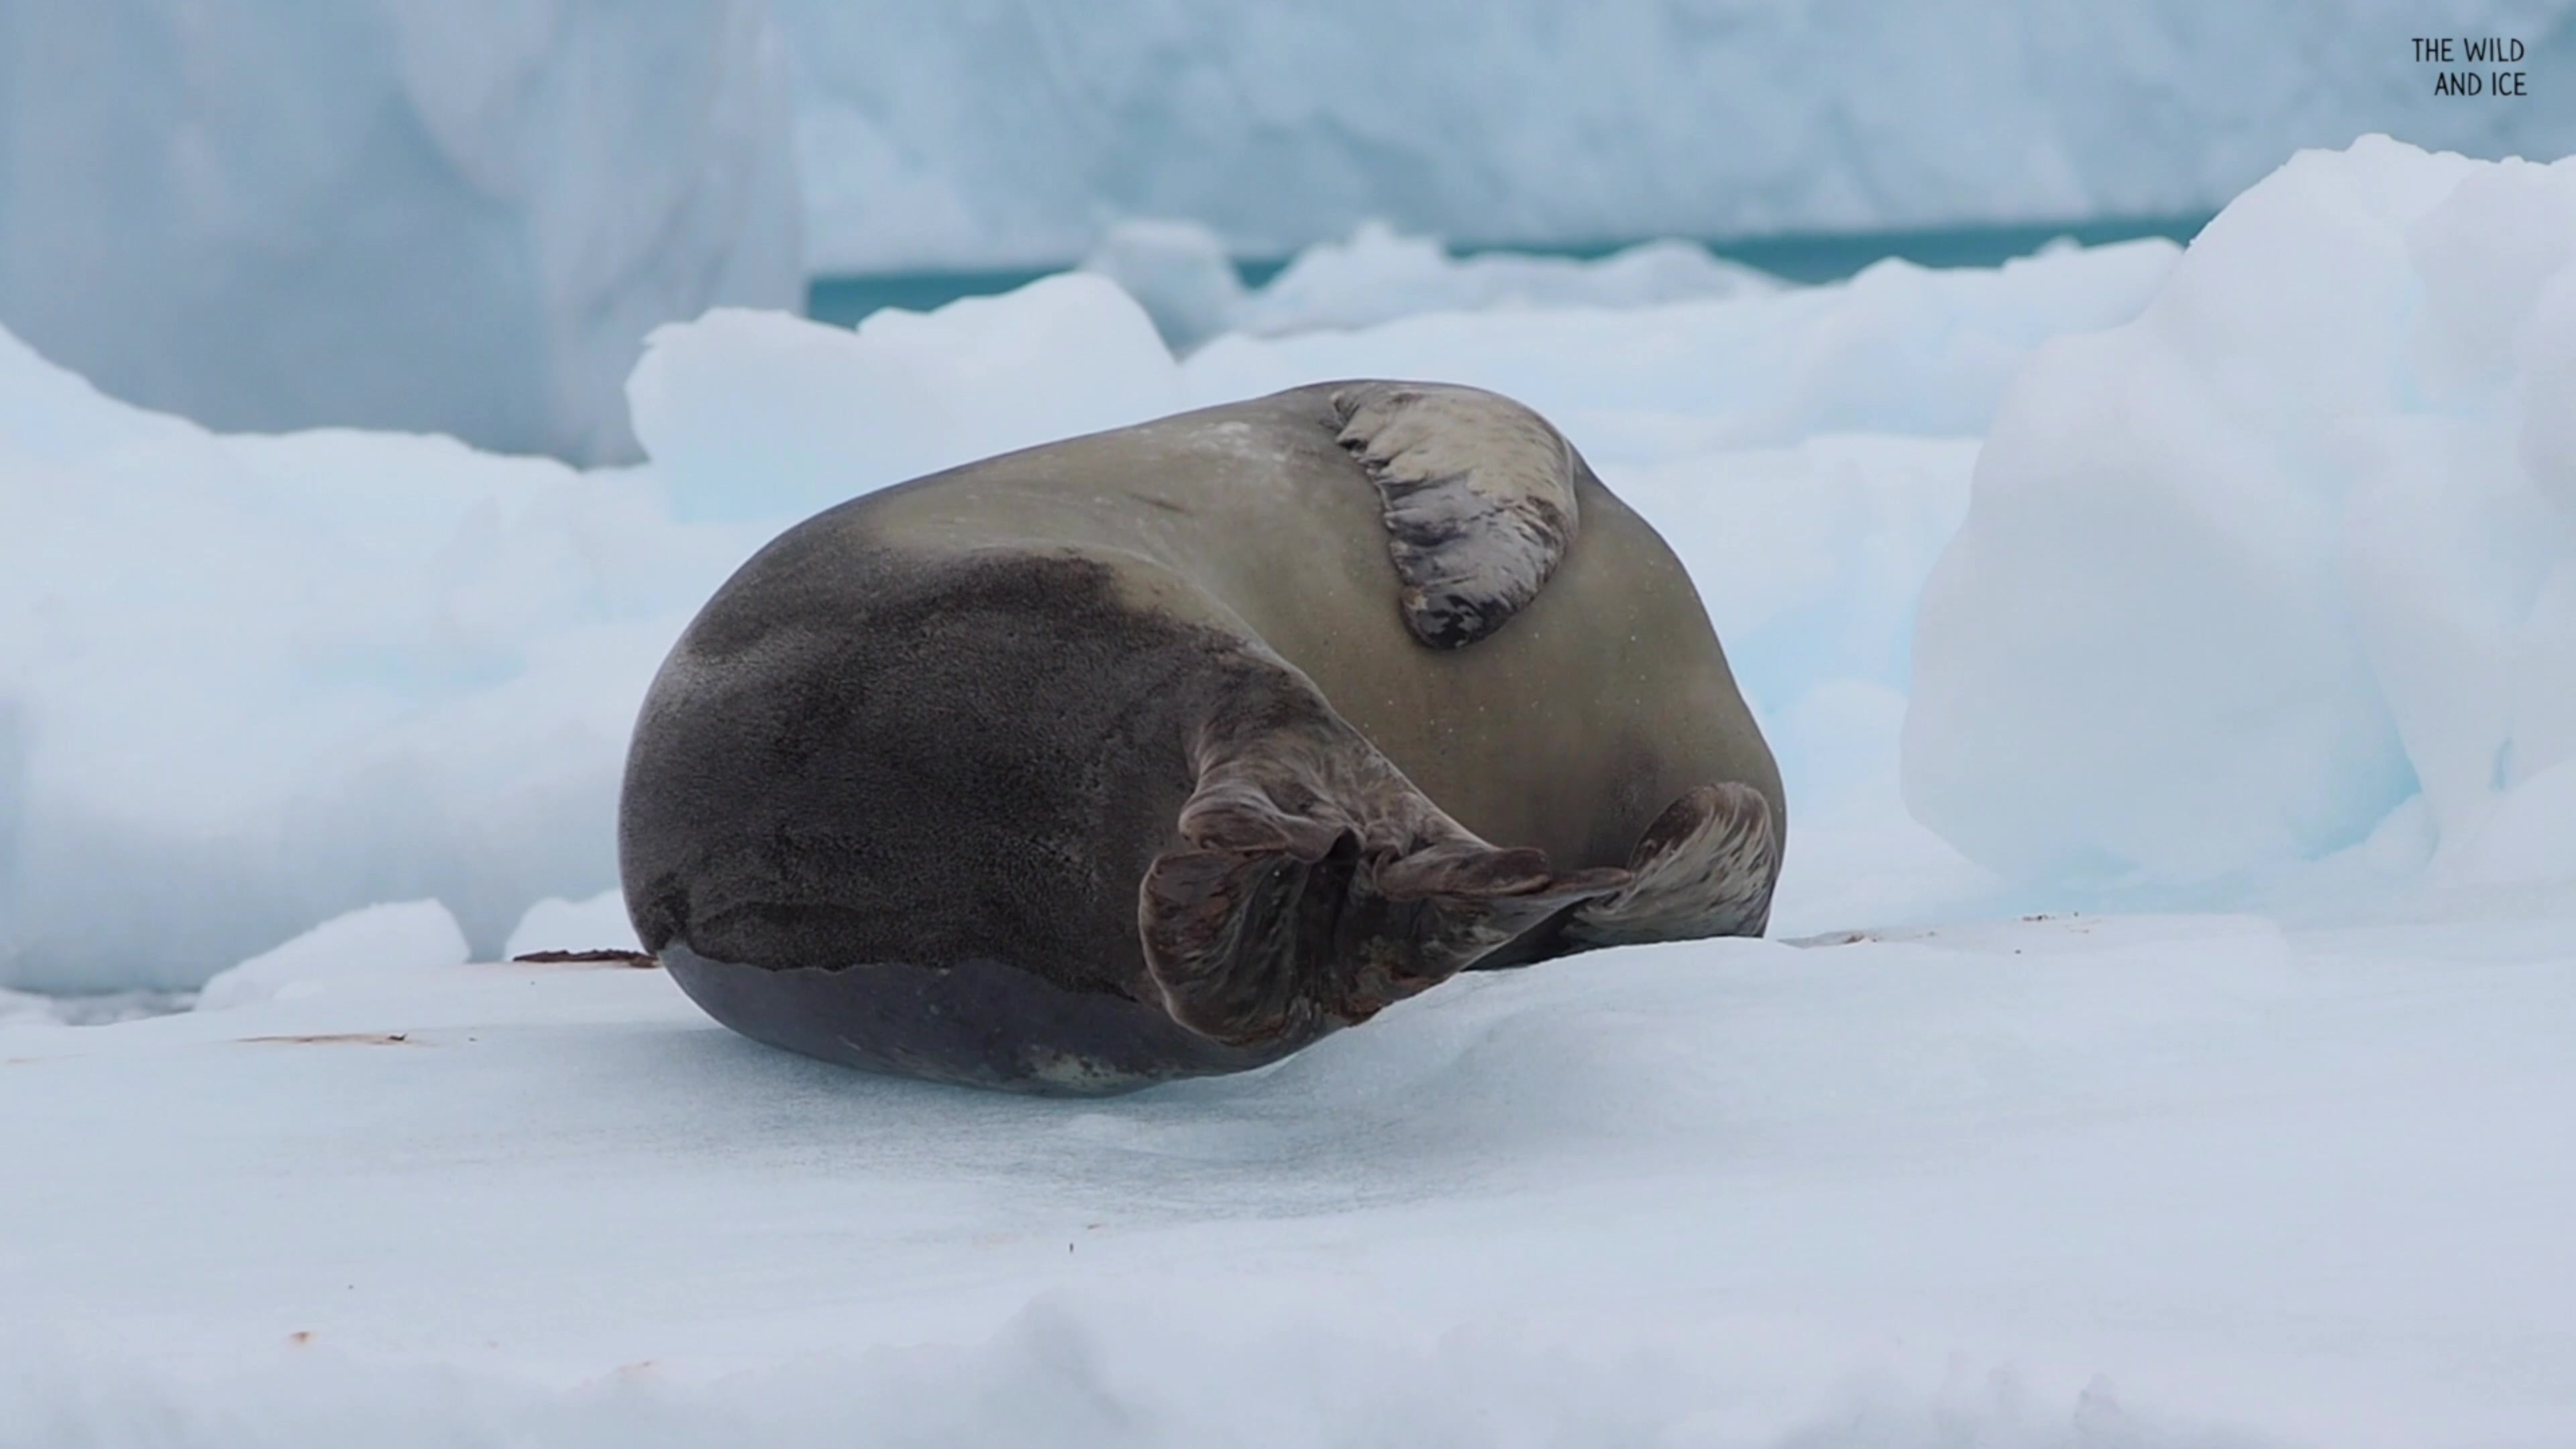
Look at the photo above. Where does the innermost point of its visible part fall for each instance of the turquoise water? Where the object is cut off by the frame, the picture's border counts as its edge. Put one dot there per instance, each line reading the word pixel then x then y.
pixel 1812 257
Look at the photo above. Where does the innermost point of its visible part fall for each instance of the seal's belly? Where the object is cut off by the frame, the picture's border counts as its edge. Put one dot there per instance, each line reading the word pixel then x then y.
pixel 976 1023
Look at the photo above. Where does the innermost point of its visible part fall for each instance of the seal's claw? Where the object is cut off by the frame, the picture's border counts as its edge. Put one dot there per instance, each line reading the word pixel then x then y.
pixel 1315 885
pixel 1704 868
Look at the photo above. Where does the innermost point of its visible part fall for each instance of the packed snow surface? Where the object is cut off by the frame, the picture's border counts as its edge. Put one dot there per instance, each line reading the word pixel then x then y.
pixel 988 133
pixel 2137 1182
pixel 2287 563
pixel 458 216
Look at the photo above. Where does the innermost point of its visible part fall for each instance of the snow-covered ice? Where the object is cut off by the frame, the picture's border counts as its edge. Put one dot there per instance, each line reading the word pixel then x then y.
pixel 1898 349
pixel 396 936
pixel 595 923
pixel 1377 275
pixel 2180 1181
pixel 439 215
pixel 1180 274
pixel 1178 271
pixel 407 669
pixel 1960 1167
pixel 280 678
pixel 2292 549
pixel 759 415
pixel 981 133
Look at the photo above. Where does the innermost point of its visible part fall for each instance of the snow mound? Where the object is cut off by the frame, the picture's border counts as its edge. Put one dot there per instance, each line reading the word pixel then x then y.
pixel 1180 274
pixel 107 1008
pixel 1640 1198
pixel 249 683
pixel 1379 275
pixel 759 415
pixel 439 215
pixel 1809 558
pixel 2242 576
pixel 1897 349
pixel 938 137
pixel 555 924
pixel 1178 271
pixel 280 678
pixel 404 936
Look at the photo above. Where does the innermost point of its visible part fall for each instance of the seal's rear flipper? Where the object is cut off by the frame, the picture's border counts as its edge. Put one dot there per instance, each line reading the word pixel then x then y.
pixel 1315 886
pixel 1478 493
pixel 1704 868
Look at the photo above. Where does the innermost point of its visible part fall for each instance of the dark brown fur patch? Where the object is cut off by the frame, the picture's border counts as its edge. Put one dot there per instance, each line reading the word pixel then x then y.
pixel 862 756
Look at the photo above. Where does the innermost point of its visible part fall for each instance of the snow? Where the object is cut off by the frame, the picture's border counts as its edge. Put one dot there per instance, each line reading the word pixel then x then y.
pixel 439 215
pixel 104 1008
pixel 2177 1181
pixel 596 923
pixel 1943 1163
pixel 2241 577
pixel 409 669
pixel 1378 275
pixel 1898 349
pixel 280 678
pixel 1178 271
pixel 985 135
pixel 762 415
pixel 1180 274
pixel 397 936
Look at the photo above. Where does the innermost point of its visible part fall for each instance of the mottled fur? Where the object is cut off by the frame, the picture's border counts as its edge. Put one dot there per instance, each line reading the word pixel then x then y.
pixel 1479 498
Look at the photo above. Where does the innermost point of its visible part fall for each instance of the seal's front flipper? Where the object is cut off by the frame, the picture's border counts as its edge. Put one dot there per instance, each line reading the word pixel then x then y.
pixel 1315 886
pixel 1704 868
pixel 1479 499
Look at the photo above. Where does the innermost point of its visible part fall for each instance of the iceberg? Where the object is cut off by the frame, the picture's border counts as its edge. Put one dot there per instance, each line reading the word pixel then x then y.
pixel 456 216
pixel 987 135
pixel 2291 550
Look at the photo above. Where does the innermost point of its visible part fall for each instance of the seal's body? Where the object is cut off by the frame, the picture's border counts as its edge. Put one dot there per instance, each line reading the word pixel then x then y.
pixel 1167 750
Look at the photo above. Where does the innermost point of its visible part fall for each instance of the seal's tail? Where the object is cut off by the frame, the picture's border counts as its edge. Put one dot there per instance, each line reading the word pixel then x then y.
pixel 1315 885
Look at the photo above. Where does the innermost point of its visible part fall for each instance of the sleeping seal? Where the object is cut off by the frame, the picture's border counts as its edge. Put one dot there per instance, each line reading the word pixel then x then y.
pixel 1168 750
